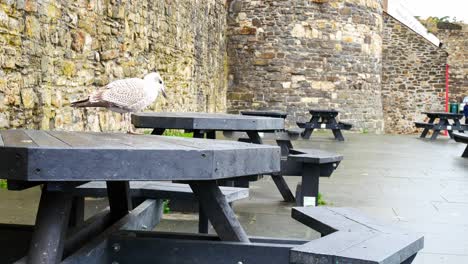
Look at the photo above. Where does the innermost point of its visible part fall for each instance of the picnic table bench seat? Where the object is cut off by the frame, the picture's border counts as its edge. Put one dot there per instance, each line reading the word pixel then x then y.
pixel 347 237
pixel 423 125
pixel 350 237
pixel 339 125
pixel 180 195
pixel 462 138
pixel 158 190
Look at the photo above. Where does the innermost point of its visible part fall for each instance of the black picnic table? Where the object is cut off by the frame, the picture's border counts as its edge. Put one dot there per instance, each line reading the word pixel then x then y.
pixel 63 160
pixel 324 119
pixel 206 124
pixel 309 165
pixel 462 138
pixel 443 124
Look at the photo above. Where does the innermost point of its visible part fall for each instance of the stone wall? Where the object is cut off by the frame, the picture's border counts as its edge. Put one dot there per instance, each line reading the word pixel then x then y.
pixel 413 77
pixel 56 51
pixel 455 40
pixel 293 55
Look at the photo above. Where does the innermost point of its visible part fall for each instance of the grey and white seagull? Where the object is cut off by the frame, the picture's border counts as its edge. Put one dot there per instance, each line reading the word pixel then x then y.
pixel 126 96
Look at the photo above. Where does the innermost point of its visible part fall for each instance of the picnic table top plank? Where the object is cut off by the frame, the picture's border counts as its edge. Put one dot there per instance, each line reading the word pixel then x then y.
pixel 443 114
pixel 104 156
pixel 17 138
pixel 41 138
pixel 323 111
pixel 277 114
pixel 206 121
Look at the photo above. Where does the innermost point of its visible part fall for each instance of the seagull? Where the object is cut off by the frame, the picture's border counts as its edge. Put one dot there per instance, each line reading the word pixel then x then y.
pixel 126 96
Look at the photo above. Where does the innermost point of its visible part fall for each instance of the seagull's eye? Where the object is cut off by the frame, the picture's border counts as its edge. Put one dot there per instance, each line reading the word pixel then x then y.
pixel 160 82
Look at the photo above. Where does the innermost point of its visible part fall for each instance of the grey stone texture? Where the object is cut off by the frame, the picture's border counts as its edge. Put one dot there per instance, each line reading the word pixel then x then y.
pixel 413 77
pixel 455 40
pixel 53 52
pixel 295 55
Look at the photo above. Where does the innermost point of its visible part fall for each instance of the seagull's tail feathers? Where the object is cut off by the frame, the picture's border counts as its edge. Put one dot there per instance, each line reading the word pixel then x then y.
pixel 88 103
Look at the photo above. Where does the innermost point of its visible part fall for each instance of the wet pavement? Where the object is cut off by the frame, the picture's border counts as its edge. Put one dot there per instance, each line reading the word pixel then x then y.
pixel 401 180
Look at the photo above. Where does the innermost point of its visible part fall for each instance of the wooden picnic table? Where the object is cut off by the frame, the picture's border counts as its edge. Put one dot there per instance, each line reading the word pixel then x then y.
pixel 298 163
pixel 62 160
pixel 443 124
pixel 206 124
pixel 324 119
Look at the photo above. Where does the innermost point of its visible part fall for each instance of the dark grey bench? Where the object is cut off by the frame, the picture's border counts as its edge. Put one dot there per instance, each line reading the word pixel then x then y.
pixel 181 195
pixel 350 237
pixel 424 125
pixel 310 164
pixel 462 138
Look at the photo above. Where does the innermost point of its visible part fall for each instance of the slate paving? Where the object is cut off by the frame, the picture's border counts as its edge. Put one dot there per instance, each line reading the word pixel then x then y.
pixel 401 180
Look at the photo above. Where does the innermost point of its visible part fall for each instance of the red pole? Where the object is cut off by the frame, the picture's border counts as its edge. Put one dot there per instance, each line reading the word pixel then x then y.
pixel 446 91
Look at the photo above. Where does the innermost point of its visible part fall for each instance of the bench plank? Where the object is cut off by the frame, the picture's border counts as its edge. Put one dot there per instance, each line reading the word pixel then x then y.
pixel 350 237
pixel 158 190
pixel 315 156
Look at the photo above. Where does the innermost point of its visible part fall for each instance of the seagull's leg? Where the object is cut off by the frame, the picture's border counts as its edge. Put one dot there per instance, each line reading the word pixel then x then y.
pixel 131 128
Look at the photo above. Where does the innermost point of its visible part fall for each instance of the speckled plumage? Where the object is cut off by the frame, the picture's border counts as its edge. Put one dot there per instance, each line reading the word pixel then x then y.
pixel 126 95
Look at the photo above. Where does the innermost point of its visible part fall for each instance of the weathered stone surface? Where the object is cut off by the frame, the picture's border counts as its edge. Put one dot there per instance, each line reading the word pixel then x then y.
pixel 413 77
pixel 53 52
pixel 454 39
pixel 307 54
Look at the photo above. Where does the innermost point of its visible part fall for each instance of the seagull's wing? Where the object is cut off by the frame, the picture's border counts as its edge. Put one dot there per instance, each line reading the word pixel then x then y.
pixel 123 93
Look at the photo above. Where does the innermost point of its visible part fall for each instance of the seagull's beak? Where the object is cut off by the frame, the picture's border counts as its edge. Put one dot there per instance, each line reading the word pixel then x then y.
pixel 164 93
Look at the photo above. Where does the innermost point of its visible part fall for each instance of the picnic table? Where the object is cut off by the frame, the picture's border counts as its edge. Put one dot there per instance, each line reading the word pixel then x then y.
pixel 443 124
pixel 206 124
pixel 309 164
pixel 324 119
pixel 63 160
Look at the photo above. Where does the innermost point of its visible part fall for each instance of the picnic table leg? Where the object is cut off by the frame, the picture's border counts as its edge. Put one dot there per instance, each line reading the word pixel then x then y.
pixel 278 179
pixel 458 124
pixel 47 242
pixel 218 211
pixel 435 134
pixel 283 188
pixel 198 134
pixel 308 131
pixel 426 130
pixel 336 132
pixel 158 131
pixel 446 123
pixel 203 223
pixel 77 212
pixel 310 184
pixel 465 153
pixel 120 201
pixel 211 134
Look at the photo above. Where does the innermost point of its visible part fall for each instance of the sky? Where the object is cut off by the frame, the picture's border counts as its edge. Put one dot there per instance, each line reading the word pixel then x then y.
pixel 438 8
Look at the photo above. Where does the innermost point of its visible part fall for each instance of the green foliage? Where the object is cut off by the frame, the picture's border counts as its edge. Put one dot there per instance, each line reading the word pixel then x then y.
pixel 177 133
pixel 365 131
pixel 166 207
pixel 320 200
pixel 3 184
pixel 172 133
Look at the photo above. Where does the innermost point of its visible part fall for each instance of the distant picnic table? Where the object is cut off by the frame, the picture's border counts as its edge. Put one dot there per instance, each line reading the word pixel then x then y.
pixel 443 124
pixel 324 119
